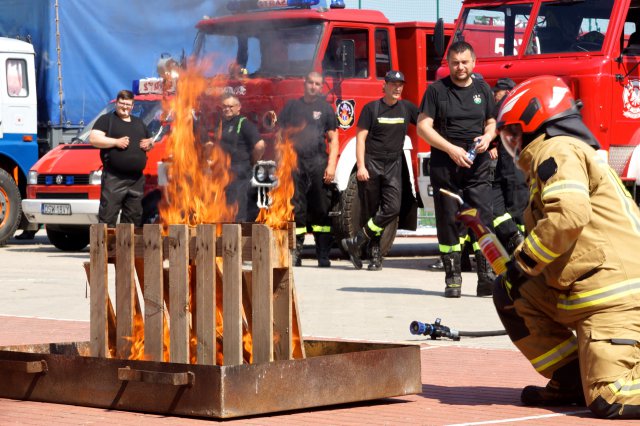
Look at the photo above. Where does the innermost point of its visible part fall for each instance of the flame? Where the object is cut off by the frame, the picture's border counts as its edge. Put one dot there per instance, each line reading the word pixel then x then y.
pixel 281 210
pixel 198 173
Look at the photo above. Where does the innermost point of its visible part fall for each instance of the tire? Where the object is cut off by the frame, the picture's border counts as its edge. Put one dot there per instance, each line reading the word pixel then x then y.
pixel 68 238
pixel 347 222
pixel 10 207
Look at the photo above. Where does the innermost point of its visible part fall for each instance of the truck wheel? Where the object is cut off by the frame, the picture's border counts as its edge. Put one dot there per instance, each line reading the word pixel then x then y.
pixel 10 208
pixel 348 222
pixel 68 238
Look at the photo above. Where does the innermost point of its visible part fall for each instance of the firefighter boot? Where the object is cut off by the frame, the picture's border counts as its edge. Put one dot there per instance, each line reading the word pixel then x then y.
pixel 452 274
pixel 375 255
pixel 486 277
pixel 323 247
pixel 354 245
pixel 297 252
pixel 564 388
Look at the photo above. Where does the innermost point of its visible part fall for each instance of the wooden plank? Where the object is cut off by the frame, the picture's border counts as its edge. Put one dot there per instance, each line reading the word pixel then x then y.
pixel 125 289
pixel 153 291
pixel 262 287
pixel 179 294
pixel 99 291
pixel 205 296
pixel 298 346
pixel 111 313
pixel 282 313
pixel 232 294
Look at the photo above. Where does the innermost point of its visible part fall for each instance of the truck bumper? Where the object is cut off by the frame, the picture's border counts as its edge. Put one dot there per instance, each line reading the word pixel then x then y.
pixel 81 212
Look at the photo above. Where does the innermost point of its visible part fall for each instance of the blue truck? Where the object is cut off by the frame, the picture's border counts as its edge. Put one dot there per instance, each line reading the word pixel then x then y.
pixel 61 62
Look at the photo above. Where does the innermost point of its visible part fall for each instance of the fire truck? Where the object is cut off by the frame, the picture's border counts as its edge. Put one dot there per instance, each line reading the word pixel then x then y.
pixel 593 45
pixel 275 48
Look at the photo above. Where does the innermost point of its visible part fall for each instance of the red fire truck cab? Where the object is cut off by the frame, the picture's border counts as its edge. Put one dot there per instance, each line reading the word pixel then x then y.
pixel 593 45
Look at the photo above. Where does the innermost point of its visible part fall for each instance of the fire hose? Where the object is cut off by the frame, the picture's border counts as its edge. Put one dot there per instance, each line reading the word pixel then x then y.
pixel 495 253
pixel 437 330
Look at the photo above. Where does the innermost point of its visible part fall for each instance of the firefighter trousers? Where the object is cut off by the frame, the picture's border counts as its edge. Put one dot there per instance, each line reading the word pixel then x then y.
pixel 606 341
pixel 473 184
pixel 381 195
pixel 312 198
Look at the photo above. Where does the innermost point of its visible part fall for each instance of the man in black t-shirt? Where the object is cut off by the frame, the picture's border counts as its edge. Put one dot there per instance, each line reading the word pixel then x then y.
pixel 382 128
pixel 310 121
pixel 239 138
pixel 123 141
pixel 457 116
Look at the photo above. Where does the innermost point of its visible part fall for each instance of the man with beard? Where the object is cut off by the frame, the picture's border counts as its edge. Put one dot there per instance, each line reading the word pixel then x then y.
pixel 457 120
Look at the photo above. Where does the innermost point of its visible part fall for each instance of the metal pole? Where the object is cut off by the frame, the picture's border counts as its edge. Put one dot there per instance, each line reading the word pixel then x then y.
pixel 437 9
pixel 359 4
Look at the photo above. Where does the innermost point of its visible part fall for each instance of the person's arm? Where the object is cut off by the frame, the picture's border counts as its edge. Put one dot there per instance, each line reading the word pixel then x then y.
pixel 332 163
pixel 426 131
pixel 258 151
pixel 487 137
pixel 361 136
pixel 99 139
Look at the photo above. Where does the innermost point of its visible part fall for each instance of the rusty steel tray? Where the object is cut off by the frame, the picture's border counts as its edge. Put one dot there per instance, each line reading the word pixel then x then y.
pixel 333 373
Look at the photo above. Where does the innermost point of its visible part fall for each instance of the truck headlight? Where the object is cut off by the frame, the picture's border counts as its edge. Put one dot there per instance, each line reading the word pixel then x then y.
pixel 32 177
pixel 95 177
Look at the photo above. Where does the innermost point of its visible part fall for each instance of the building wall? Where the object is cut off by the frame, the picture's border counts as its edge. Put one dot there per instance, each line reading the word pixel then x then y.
pixel 411 10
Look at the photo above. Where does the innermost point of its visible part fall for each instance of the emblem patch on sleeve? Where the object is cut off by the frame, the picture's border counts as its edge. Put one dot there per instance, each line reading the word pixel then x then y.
pixel 547 168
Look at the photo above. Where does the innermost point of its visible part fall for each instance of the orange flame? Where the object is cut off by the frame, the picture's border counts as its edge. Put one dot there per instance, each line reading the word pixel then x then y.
pixel 281 210
pixel 198 173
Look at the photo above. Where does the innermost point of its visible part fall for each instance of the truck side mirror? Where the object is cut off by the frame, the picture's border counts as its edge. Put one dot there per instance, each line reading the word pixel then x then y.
pixel 438 37
pixel 348 58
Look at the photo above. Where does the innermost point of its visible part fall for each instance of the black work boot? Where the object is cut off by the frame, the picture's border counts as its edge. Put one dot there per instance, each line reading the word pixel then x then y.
pixel 354 245
pixel 452 274
pixel 564 388
pixel 486 277
pixel 323 247
pixel 297 252
pixel 375 255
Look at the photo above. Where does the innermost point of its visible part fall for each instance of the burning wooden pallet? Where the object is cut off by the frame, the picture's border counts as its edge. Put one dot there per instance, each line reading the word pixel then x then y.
pixel 186 278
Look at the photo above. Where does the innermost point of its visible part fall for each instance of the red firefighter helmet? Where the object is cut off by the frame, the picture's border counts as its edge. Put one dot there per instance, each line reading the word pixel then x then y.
pixel 530 105
pixel 537 101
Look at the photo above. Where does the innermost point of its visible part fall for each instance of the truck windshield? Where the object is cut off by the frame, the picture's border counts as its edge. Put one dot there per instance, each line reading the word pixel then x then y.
pixel 149 111
pixel 264 49
pixel 561 27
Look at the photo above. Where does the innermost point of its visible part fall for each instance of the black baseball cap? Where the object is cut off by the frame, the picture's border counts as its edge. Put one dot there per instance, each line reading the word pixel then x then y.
pixel 394 75
pixel 504 84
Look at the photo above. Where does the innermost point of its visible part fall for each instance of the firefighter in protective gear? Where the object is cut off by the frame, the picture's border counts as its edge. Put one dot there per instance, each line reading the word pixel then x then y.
pixel 570 300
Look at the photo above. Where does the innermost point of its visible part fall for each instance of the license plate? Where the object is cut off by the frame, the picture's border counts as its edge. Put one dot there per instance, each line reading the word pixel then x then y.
pixel 56 209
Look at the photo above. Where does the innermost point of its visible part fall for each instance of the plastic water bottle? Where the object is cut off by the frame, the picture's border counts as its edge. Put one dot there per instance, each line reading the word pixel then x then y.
pixel 471 154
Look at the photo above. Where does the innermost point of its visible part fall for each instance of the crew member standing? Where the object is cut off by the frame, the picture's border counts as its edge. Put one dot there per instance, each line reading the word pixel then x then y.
pixel 311 122
pixel 239 138
pixel 456 118
pixel 382 128
pixel 570 300
pixel 123 141
pixel 510 192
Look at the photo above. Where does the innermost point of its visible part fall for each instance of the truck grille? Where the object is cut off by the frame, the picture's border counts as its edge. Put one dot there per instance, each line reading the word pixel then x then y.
pixel 62 195
pixel 65 179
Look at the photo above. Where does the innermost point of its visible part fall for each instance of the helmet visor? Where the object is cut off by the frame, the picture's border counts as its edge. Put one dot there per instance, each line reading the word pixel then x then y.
pixel 511 136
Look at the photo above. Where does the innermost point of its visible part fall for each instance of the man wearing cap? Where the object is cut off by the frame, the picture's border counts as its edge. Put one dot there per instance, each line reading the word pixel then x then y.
pixel 382 128
pixel 457 120
pixel 510 192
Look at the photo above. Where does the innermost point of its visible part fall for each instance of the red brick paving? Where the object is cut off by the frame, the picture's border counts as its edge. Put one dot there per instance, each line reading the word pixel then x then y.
pixel 459 386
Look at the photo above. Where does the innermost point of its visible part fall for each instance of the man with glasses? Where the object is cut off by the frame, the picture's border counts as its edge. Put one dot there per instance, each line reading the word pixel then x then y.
pixel 123 141
pixel 240 139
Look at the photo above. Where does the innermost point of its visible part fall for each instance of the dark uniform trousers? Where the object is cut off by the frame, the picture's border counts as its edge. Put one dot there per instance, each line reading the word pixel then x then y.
pixel 312 198
pixel 381 195
pixel 510 197
pixel 117 194
pixel 473 184
pixel 237 191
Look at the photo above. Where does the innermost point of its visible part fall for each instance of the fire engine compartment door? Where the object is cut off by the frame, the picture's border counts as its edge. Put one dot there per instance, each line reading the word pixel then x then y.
pixel 18 111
